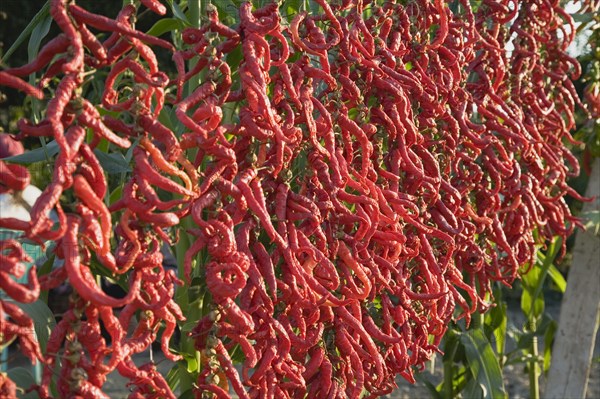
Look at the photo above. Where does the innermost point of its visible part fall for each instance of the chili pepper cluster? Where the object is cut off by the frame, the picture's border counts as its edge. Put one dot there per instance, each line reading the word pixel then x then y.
pixel 15 323
pixel 384 165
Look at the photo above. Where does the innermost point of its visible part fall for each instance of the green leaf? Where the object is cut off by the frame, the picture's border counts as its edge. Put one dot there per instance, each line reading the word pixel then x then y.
pixel 129 153
pixel 592 221
pixel 314 7
pixel 181 293
pixel 192 363
pixel 495 316
pixel 433 391
pixel 168 118
pixel 228 8
pixel 557 278
pixel 234 58
pixel 483 363
pixel 37 155
pixel 99 269
pixel 525 340
pixel 39 33
pixel 178 12
pixel 115 195
pixel 43 320
pixel 165 25
pixel 532 302
pixel 496 321
pixel 37 19
pixel 582 18
pixel 207 303
pixel 189 326
pixel 451 340
pixel 188 394
pixel 112 163
pixel 237 355
pixel 44 269
pixel 353 113
pixel 461 377
pixel 473 389
pixel 531 306
pixel 103 145
pixel 49 257
pixel 292 7
pixel 186 379
pixel 24 379
pixel 174 377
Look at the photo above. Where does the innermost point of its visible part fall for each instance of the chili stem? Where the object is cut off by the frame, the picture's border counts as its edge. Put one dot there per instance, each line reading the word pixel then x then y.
pixel 534 366
pixel 197 10
pixel 449 377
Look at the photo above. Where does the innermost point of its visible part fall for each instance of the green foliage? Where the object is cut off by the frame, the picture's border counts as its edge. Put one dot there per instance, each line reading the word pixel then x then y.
pixel 495 327
pixel 592 221
pixel 474 357
pixel 113 162
pixel 486 381
pixel 35 25
pixel 166 25
pixel 24 379
pixel 532 302
pixel 44 153
pixel 471 366
pixel 43 320
pixel 228 10
pixel 588 126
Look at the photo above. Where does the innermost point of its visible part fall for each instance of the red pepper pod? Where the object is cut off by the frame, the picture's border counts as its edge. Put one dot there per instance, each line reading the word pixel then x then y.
pixel 14 177
pixel 21 293
pixel 6 79
pixel 103 23
pixel 155 5
pixel 145 170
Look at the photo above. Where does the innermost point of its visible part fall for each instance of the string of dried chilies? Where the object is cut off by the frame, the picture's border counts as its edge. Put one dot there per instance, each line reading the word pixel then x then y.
pixel 385 165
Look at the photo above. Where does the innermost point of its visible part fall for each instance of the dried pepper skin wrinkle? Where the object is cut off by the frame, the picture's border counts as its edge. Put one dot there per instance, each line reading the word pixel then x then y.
pixel 367 162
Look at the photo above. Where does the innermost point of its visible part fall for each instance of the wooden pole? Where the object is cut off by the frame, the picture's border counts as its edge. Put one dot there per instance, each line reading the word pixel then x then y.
pixel 579 312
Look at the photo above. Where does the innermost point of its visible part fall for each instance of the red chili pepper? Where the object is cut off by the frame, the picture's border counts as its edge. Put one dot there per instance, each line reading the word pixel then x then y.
pixel 6 79
pixel 58 11
pixel 14 177
pixel 104 23
pixel 80 275
pixel 55 46
pixel 144 168
pixel 155 6
pixel 443 26
pixel 92 43
pixel 85 192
